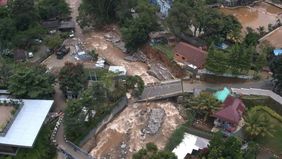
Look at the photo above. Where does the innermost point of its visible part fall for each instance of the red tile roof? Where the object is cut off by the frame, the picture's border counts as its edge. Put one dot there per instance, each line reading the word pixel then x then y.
pixel 3 2
pixel 232 111
pixel 194 55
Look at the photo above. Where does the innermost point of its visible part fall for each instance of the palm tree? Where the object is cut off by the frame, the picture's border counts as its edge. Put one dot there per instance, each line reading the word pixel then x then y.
pixel 258 124
pixel 204 104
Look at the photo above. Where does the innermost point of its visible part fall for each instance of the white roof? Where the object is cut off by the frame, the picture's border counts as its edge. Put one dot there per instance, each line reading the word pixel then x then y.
pixel 118 69
pixel 27 123
pixel 189 143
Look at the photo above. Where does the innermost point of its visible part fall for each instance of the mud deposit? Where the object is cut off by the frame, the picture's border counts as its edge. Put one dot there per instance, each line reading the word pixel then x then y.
pixel 126 134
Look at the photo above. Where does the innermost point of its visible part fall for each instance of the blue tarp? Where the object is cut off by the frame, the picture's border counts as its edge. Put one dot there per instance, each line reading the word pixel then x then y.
pixel 222 94
pixel 277 52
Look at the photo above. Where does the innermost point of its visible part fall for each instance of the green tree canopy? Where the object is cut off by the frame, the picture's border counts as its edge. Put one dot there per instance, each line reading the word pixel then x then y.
pixel 204 104
pixel 135 31
pixel 53 9
pixel 220 148
pixel 72 78
pixel 197 19
pixel 31 81
pixel 257 124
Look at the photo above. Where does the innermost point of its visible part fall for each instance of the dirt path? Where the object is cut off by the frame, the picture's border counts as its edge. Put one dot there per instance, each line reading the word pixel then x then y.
pixel 123 136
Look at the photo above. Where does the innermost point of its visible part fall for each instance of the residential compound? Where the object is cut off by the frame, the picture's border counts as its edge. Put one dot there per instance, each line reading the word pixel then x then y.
pixel 23 127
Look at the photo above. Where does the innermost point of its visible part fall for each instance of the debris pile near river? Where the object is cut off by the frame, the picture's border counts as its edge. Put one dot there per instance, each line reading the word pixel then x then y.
pixel 126 134
pixel 155 121
pixel 160 72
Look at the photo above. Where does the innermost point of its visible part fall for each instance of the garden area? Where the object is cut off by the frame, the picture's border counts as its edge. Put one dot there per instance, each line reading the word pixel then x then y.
pixel 273 142
pixel 8 112
pixel 271 126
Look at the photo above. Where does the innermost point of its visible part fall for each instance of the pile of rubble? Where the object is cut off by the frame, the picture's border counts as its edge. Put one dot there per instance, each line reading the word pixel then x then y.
pixel 123 150
pixel 155 121
pixel 116 41
pixel 160 72
pixel 137 57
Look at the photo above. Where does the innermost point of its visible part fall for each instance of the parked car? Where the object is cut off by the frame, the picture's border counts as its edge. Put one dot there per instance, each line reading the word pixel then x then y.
pixel 62 51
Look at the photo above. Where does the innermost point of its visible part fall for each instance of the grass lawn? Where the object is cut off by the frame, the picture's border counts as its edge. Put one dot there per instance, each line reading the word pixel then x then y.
pixel 274 143
pixel 167 50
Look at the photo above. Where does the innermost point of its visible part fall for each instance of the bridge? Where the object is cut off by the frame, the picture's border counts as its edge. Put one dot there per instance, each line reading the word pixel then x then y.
pixel 167 89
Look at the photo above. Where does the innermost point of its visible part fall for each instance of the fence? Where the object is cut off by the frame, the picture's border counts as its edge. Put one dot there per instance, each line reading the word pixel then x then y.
pixel 117 109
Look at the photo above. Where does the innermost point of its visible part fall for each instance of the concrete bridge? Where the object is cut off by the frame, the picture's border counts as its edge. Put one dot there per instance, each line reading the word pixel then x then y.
pixel 173 88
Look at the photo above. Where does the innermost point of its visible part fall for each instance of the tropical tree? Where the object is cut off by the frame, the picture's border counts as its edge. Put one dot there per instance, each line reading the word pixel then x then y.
pixel 6 70
pixel 204 104
pixel 54 42
pixel 53 9
pixel 220 148
pixel 31 81
pixel 151 152
pixel 72 78
pixel 197 19
pixel 257 124
pixel 252 37
pixel 135 30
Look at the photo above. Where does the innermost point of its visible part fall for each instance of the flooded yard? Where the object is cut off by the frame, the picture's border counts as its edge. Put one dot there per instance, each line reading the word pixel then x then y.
pixel 261 14
pixel 128 133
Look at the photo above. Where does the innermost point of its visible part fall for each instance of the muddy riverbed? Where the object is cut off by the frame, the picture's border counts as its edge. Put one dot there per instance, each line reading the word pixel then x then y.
pixel 125 134
pixel 261 14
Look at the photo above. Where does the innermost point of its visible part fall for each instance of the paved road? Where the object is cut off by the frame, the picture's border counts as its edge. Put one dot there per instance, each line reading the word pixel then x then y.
pixel 173 88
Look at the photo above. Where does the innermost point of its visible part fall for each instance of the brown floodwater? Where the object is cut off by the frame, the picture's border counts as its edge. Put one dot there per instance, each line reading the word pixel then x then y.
pixel 261 14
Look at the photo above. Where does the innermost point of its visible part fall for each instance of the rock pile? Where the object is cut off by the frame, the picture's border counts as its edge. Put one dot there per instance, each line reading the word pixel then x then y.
pixel 155 121
pixel 137 57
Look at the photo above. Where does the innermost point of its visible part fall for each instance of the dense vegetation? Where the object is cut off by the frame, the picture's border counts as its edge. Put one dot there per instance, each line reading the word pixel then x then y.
pixel 151 151
pixel 136 18
pixel 72 78
pixel 203 105
pixel 25 80
pixel 195 18
pixel 96 101
pixel 219 147
pixel 20 21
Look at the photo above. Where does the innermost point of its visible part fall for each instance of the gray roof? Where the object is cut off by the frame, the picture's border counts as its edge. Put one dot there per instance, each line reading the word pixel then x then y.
pixel 27 123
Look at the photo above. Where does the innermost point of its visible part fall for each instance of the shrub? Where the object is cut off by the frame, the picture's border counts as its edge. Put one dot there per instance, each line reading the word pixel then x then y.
pixel 176 137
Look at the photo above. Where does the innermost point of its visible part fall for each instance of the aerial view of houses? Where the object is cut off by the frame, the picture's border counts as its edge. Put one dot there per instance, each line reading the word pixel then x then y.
pixel 140 79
